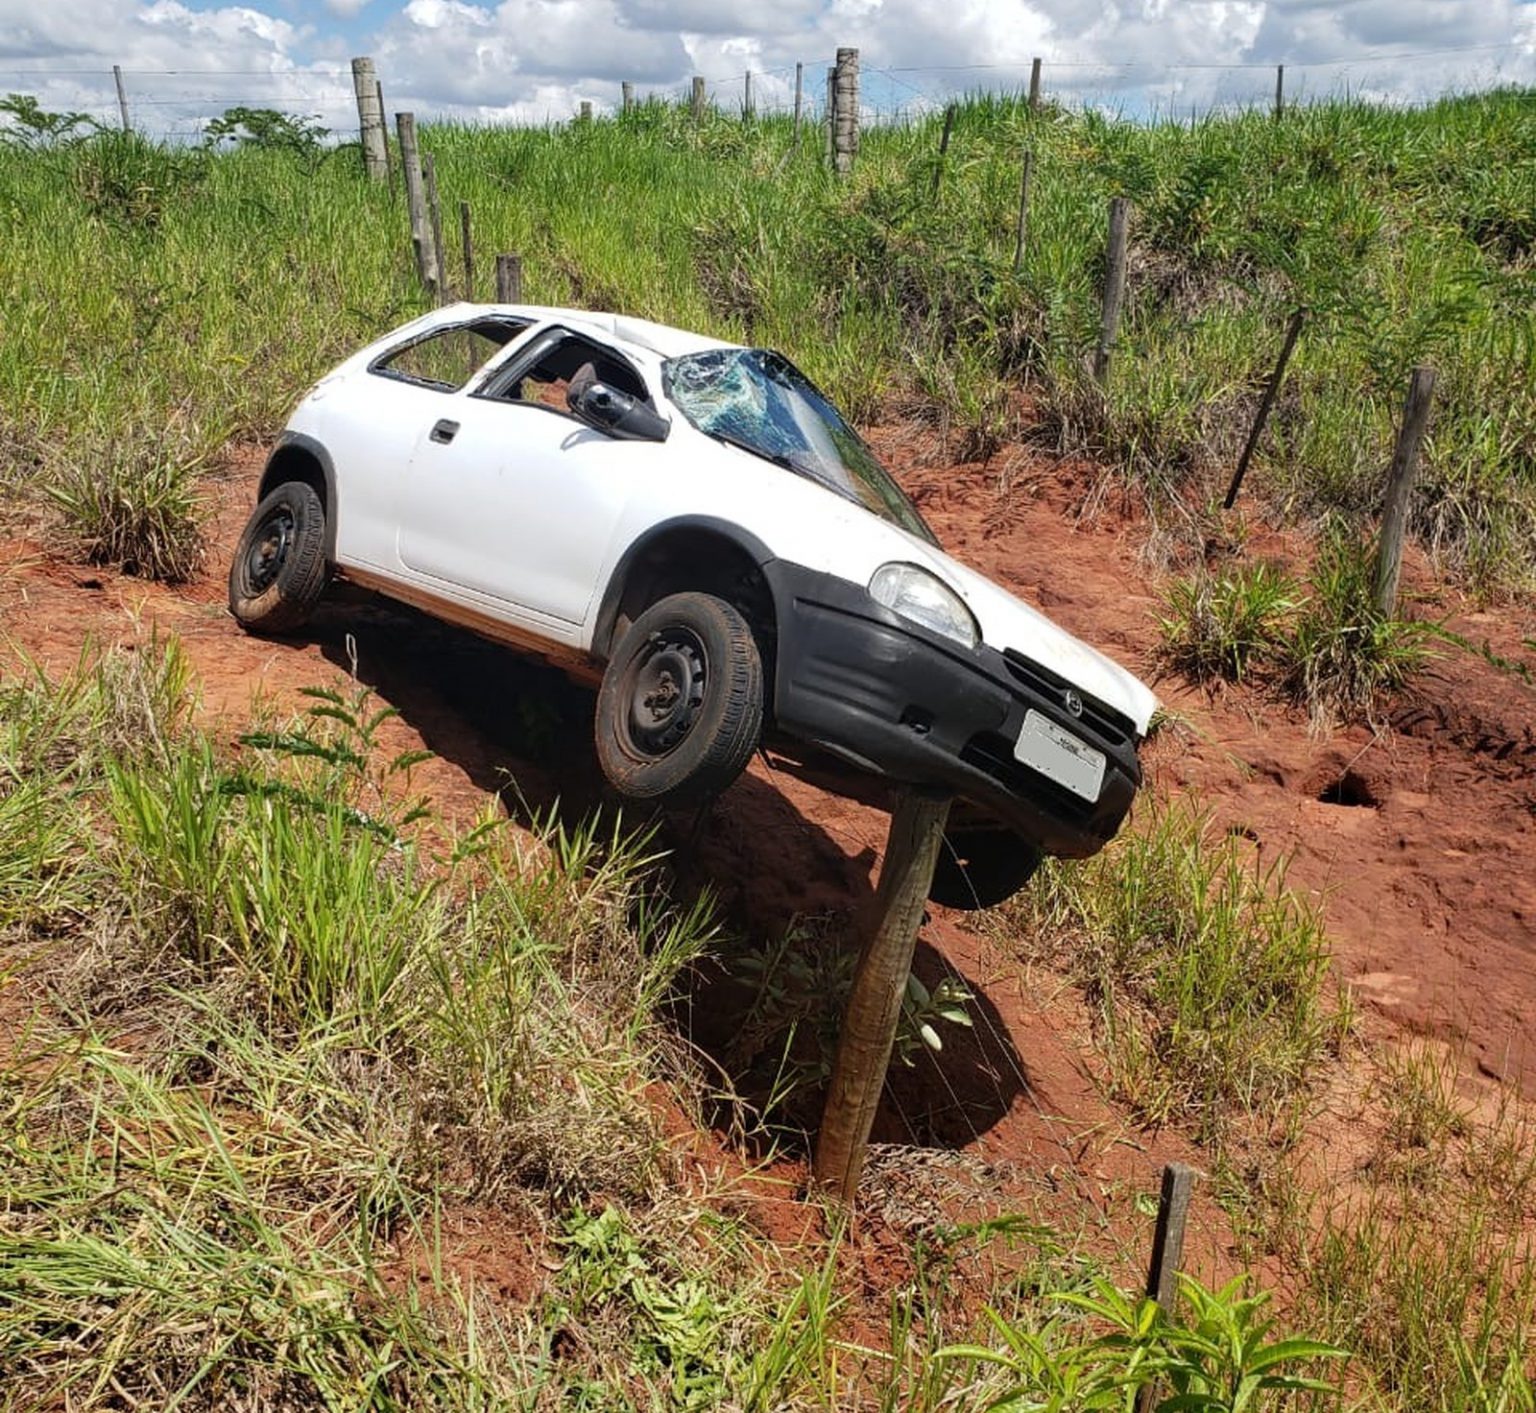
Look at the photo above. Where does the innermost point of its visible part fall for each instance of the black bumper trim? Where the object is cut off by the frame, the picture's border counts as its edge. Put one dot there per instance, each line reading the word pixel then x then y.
pixel 887 696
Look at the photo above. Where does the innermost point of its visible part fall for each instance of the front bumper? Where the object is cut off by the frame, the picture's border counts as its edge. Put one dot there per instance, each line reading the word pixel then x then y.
pixel 884 695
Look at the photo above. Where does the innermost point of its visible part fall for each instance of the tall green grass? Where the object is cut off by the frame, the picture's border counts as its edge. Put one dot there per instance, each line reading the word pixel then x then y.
pixel 147 284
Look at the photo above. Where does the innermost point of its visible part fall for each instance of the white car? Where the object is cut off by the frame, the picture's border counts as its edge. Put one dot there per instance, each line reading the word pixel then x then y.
pixel 693 524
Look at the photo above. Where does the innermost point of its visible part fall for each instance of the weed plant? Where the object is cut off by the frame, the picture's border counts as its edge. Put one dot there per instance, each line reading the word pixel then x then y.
pixel 1329 647
pixel 1207 978
pixel 145 279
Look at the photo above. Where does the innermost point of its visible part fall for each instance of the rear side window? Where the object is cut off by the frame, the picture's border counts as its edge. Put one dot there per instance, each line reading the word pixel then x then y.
pixel 446 359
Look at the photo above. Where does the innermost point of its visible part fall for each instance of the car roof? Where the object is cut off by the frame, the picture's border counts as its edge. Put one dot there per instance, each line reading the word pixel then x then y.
pixel 659 339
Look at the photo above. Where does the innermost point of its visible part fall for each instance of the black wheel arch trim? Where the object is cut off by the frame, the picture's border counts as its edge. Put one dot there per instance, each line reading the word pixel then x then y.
pixel 302 442
pixel 613 592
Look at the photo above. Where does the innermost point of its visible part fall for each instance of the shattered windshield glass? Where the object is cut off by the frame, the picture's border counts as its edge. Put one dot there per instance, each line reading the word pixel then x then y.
pixel 759 401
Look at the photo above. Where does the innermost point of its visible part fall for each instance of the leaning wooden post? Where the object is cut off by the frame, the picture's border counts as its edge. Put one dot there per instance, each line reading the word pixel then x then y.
pixel 879 982
pixel 370 119
pixel 1279 90
pixel 1167 1252
pixel 1114 285
pixel 509 279
pixel 1018 244
pixel 389 165
pixel 415 196
pixel 1405 466
pixel 1292 333
pixel 628 90
pixel 938 170
pixel 122 96
pixel 467 246
pixel 435 228
pixel 698 98
pixel 1034 85
pixel 845 148
pixel 794 140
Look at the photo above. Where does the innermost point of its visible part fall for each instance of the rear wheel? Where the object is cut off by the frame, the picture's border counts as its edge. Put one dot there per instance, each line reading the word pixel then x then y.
pixel 981 866
pixel 680 710
pixel 278 572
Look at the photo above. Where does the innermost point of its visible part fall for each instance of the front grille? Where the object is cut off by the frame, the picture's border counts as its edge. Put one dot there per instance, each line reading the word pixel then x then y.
pixel 1109 726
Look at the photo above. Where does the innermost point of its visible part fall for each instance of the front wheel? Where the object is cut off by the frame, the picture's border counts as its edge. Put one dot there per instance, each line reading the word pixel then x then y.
pixel 680 709
pixel 981 866
pixel 278 572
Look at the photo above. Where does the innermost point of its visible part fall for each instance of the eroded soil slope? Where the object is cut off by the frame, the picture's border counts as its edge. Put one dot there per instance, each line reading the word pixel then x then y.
pixel 1419 835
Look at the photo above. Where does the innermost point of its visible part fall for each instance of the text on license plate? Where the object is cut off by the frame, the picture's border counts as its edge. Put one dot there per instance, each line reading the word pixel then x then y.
pixel 1060 756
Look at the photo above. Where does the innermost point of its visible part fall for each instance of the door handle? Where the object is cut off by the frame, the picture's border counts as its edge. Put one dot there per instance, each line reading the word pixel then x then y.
pixel 444 431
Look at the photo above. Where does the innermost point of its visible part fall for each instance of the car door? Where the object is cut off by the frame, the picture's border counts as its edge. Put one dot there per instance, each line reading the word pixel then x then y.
pixel 372 425
pixel 512 498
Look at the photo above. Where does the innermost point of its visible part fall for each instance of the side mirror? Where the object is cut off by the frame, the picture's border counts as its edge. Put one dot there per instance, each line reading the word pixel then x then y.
pixel 617 414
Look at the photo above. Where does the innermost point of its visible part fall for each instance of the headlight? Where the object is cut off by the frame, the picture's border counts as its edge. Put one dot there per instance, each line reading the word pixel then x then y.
pixel 924 598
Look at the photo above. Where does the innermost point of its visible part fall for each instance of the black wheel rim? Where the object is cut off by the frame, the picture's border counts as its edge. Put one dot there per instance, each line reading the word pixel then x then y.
pixel 664 690
pixel 269 549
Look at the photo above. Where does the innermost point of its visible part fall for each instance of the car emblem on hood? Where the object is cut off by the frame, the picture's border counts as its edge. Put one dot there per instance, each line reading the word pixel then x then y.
pixel 1074 703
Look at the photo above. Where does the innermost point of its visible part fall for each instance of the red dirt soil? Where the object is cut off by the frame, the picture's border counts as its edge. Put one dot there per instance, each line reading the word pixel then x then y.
pixel 1419 838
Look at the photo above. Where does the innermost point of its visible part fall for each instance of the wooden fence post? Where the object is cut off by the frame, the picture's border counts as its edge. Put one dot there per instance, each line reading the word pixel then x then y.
pixel 467 247
pixel 1167 1253
pixel 435 227
pixel 831 119
pixel 845 147
pixel 509 279
pixel 748 111
pixel 1018 244
pixel 1034 85
pixel 699 98
pixel 370 119
pixel 938 169
pixel 1279 91
pixel 794 140
pixel 415 197
pixel 1405 466
pixel 122 96
pixel 1292 333
pixel 389 164
pixel 1114 285
pixel 628 90
pixel 879 982
pixel 586 110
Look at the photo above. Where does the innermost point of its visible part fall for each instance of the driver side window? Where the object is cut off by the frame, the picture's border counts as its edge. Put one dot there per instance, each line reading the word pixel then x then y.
pixel 545 380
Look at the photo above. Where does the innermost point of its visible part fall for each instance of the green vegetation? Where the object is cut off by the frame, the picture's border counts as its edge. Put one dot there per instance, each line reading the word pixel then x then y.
pixel 1207 978
pixel 149 285
pixel 268 1029
pixel 1330 648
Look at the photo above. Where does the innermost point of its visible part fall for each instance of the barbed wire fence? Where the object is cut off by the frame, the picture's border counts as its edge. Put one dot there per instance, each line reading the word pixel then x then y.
pixel 177 105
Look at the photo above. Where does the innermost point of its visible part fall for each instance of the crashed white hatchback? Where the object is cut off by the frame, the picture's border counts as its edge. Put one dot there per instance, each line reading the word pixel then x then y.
pixel 693 523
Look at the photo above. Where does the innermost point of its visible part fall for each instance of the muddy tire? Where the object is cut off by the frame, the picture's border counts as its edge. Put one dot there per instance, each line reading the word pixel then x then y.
pixel 981 867
pixel 279 570
pixel 680 710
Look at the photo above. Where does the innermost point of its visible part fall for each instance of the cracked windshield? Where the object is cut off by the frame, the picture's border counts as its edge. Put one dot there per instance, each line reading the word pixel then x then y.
pixel 760 402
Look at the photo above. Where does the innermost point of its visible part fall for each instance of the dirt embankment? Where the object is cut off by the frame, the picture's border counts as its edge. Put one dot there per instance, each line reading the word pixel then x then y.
pixel 1420 837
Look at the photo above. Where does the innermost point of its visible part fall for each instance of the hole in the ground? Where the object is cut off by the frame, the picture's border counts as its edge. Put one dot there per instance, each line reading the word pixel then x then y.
pixel 1349 789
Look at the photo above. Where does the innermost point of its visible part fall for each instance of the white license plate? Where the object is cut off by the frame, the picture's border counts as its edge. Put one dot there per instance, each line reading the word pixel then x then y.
pixel 1060 756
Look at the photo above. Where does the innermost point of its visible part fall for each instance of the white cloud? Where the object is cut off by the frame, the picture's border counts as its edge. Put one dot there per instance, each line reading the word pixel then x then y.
pixel 516 60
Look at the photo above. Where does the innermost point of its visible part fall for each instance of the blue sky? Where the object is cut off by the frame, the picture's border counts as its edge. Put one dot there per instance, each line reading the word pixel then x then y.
pixel 537 60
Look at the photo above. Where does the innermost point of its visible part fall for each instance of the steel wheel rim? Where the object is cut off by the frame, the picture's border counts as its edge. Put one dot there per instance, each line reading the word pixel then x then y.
pixel 664 691
pixel 269 549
